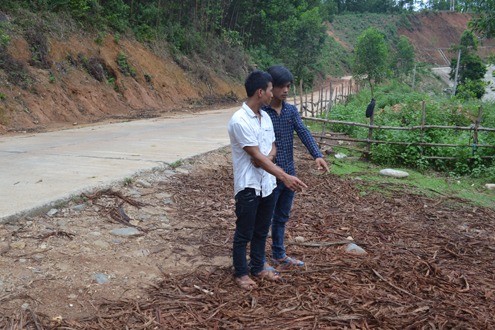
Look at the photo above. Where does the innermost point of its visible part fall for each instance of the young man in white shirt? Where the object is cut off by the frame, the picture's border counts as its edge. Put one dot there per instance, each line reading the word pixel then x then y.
pixel 253 150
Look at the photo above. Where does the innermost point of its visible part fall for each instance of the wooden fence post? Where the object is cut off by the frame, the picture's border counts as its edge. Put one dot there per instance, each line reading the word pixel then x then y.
pixel 302 110
pixel 295 96
pixel 423 122
pixel 476 126
pixel 370 137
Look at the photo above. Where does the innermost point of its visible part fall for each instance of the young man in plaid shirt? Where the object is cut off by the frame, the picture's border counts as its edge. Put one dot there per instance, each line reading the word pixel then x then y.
pixel 286 121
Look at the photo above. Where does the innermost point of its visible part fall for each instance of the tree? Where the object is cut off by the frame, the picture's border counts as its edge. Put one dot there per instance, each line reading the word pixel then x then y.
pixel 471 67
pixel 484 22
pixel 370 57
pixel 404 57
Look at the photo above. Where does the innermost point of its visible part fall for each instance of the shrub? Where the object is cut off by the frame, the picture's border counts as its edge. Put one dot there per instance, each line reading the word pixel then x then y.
pixel 124 66
pixel 38 44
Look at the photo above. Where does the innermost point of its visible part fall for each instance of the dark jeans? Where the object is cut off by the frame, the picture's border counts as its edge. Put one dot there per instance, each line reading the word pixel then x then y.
pixel 253 222
pixel 283 199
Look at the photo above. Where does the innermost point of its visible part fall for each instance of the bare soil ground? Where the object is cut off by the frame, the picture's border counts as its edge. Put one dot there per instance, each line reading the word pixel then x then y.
pixel 429 262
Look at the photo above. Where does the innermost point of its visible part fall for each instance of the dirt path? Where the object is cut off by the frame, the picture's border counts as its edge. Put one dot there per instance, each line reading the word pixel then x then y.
pixel 429 261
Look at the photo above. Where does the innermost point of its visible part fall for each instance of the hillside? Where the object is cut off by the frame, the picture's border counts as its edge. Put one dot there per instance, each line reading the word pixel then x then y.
pixel 59 76
pixel 427 31
pixel 80 79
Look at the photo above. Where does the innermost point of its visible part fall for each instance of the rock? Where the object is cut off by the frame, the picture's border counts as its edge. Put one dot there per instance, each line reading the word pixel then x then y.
pixel 72 296
pixel 134 193
pixel 4 247
pixel 394 173
pixel 52 212
pixel 299 239
pixel 134 222
pixel 340 156
pixel 79 207
pixel 128 231
pixel 94 233
pixel 100 278
pixel 349 238
pixel 168 201
pixel 25 306
pixel 354 249
pixel 490 186
pixel 141 253
pixel 101 244
pixel 182 170
pixel 18 245
pixel 163 195
pixel 143 183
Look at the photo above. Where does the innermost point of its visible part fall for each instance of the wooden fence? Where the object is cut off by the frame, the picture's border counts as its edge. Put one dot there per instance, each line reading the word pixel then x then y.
pixel 320 103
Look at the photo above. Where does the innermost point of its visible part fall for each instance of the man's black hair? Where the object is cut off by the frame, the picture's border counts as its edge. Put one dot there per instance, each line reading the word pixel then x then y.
pixel 281 75
pixel 256 80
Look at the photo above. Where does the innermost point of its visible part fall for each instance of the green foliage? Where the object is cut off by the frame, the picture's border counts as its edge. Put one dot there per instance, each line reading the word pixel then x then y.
pixel 471 68
pixel 3 96
pixel 38 45
pixel 398 105
pixel 124 65
pixel 99 38
pixel 468 41
pixel 403 57
pixel 471 89
pixel 423 183
pixel 371 56
pixel 484 21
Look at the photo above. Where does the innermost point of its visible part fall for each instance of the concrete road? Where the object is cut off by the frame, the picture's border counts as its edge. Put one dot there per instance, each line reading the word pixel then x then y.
pixel 37 170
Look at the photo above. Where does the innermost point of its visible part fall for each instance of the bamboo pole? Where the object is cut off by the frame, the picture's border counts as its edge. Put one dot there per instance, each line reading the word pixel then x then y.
pixel 423 122
pixel 295 96
pixel 370 136
pixel 301 109
pixel 369 141
pixel 320 99
pixel 312 104
pixel 476 127
pixel 410 128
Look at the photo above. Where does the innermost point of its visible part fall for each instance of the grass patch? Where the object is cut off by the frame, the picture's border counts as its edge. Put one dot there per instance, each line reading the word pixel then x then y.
pixel 430 184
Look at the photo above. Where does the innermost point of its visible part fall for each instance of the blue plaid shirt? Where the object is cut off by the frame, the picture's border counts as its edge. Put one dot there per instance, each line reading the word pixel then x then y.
pixel 284 126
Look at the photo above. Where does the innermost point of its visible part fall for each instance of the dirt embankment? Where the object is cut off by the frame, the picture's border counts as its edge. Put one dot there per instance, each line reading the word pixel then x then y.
pixel 79 80
pixel 433 33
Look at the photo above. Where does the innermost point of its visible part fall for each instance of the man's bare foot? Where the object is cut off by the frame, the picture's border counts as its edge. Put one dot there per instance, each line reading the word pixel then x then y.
pixel 245 282
pixel 269 273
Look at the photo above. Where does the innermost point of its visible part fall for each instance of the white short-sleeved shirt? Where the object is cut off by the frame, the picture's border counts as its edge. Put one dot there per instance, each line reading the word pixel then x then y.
pixel 245 129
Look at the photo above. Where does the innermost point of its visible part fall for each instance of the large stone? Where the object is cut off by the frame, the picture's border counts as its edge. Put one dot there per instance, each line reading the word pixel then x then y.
pixel 100 278
pixel 353 248
pixel 128 231
pixel 52 212
pixel 490 186
pixel 394 173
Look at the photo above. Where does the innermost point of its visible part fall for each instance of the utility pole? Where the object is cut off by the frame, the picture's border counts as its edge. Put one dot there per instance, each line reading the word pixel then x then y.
pixel 456 72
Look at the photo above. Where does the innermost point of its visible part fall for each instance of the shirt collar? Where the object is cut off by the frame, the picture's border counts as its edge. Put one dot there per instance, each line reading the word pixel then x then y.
pixel 249 111
pixel 269 107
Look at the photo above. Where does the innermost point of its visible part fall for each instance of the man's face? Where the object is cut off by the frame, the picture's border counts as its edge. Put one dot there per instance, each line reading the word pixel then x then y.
pixel 266 96
pixel 281 92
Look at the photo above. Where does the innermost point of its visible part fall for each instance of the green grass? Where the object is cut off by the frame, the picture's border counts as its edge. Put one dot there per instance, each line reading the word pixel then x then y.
pixel 430 184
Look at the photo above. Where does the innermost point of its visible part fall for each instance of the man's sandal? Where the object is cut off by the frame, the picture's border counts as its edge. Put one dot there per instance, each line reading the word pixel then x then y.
pixel 269 273
pixel 246 283
pixel 287 262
